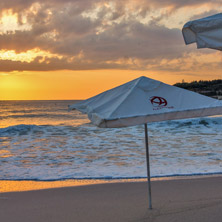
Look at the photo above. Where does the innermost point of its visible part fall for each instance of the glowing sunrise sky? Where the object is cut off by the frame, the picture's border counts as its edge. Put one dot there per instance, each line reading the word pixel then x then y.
pixel 74 49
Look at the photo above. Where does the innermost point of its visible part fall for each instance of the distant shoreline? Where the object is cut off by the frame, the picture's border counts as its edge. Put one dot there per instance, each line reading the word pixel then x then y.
pixel 211 88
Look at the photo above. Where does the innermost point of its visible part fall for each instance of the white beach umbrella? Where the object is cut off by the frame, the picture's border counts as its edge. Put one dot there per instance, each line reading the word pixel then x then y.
pixel 146 100
pixel 206 32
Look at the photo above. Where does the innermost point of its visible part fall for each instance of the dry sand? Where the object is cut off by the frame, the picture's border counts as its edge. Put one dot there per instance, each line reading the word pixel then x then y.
pixel 173 200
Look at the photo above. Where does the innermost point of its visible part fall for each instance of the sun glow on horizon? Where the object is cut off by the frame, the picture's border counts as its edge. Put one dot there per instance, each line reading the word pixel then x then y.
pixel 72 85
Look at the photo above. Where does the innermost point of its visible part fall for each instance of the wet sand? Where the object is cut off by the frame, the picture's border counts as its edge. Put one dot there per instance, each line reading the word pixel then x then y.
pixel 173 200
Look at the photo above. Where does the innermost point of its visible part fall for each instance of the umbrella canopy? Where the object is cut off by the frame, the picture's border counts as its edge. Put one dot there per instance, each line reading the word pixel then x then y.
pixel 146 100
pixel 206 32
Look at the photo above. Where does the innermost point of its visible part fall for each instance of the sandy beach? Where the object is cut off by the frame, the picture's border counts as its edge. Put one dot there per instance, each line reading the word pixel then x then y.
pixel 173 200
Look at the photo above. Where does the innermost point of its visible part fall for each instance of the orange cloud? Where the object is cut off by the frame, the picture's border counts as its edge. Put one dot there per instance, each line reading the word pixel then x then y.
pixel 88 35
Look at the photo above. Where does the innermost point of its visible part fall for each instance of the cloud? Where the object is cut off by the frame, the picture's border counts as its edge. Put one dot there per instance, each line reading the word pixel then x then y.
pixel 85 34
pixel 204 14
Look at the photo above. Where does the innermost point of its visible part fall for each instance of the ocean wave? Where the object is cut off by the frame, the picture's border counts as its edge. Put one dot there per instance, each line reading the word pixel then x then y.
pixel 208 122
pixel 54 152
pixel 17 129
pixel 203 121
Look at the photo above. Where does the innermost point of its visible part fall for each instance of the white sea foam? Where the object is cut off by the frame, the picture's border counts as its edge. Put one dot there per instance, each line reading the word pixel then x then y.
pixel 69 147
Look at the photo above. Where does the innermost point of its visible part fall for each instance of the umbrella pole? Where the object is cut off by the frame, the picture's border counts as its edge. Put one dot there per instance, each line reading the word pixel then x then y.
pixel 148 166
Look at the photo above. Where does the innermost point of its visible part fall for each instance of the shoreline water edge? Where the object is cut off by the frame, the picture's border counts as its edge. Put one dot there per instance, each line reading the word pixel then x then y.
pixel 31 185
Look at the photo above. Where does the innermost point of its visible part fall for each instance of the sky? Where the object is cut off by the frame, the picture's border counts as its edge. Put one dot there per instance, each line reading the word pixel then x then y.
pixel 75 49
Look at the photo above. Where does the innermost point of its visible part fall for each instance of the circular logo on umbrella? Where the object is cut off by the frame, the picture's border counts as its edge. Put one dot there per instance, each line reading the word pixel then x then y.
pixel 158 101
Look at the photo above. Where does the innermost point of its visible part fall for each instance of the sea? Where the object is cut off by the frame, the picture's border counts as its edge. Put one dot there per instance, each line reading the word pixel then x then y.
pixel 42 140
